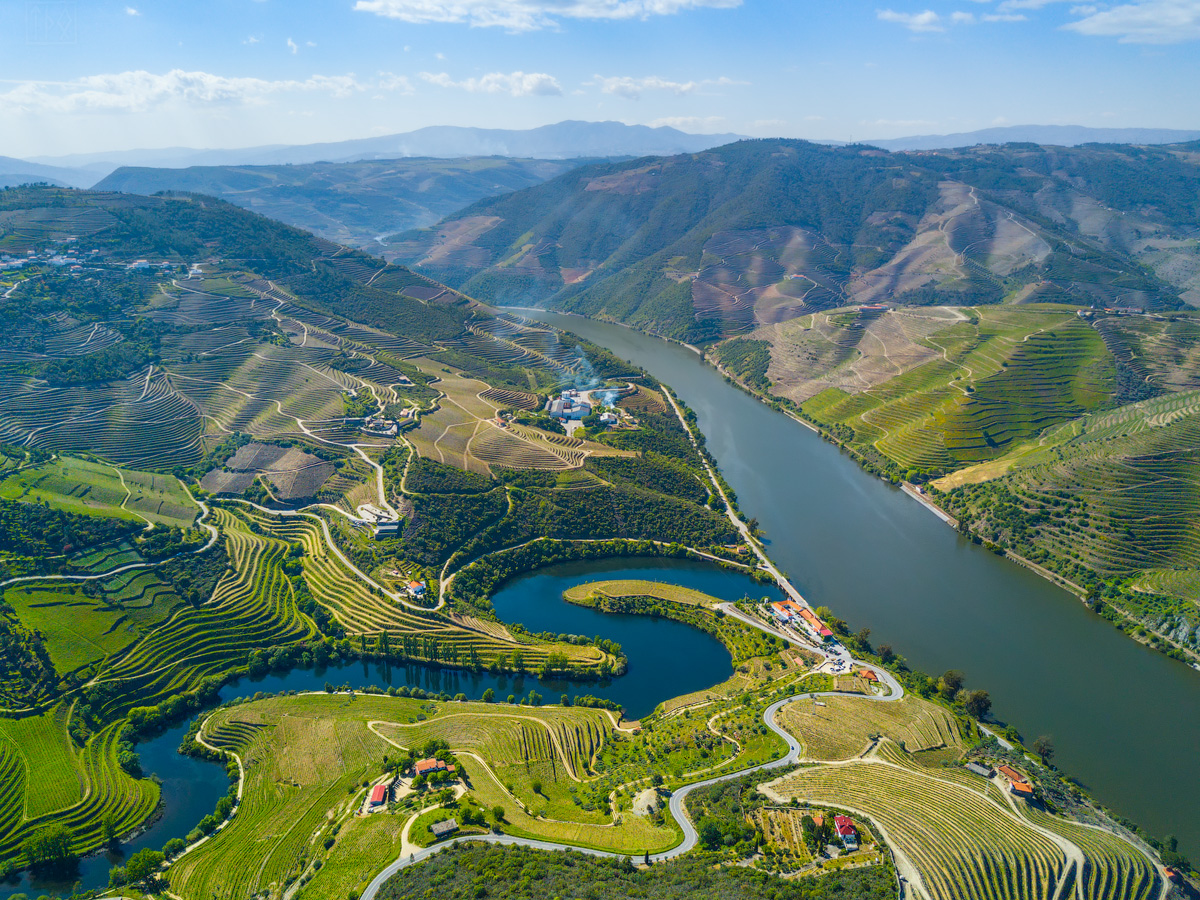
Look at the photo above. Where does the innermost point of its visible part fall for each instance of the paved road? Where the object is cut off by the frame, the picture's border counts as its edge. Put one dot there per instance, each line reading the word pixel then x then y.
pixel 678 798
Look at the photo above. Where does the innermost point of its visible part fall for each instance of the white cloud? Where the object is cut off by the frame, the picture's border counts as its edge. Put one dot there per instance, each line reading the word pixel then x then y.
pixel 518 84
pixel 292 46
pixel 250 40
pixel 528 15
pixel 930 21
pixel 130 11
pixel 689 123
pixel 389 81
pixel 921 22
pixel 633 88
pixel 138 91
pixel 1148 22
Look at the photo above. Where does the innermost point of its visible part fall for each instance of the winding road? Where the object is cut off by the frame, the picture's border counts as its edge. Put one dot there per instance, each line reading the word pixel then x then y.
pixel 676 805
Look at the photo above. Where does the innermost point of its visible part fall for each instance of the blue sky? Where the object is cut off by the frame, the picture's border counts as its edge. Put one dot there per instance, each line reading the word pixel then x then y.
pixel 89 76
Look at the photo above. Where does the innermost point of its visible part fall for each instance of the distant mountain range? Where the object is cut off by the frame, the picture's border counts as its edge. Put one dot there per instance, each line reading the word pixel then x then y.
pixel 563 140
pixel 1052 135
pixel 20 171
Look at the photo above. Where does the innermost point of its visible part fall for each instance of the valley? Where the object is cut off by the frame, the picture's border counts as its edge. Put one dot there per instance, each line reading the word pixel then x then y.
pixel 249 450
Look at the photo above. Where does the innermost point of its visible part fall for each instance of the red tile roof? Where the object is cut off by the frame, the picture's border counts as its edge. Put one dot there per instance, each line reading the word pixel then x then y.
pixel 378 794
pixel 845 827
pixel 1012 774
pixel 425 766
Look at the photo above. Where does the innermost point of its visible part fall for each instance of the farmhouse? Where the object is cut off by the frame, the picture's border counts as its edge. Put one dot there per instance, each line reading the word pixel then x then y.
pixel 1022 789
pixel 442 829
pixel 982 771
pixel 1013 775
pixel 379 795
pixel 846 831
pixel 416 589
pixel 431 765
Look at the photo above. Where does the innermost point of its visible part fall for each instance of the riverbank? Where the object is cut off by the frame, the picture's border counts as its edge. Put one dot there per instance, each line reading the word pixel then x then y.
pixel 1166 642
pixel 856 544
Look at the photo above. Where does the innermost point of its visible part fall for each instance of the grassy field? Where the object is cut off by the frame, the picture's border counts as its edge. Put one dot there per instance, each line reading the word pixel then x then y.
pixel 78 631
pixel 98 489
pixel 843 727
pixel 673 592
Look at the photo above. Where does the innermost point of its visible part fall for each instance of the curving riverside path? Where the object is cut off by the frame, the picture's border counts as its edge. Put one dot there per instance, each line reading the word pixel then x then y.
pixel 678 798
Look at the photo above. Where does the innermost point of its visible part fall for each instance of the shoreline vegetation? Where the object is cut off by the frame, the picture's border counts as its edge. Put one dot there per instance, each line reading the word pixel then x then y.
pixel 1128 623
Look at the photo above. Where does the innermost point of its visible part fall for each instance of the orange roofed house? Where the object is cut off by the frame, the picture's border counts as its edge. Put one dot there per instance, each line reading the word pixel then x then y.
pixel 431 765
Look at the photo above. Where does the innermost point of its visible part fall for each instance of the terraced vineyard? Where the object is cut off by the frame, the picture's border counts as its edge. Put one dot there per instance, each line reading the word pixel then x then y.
pixel 306 758
pixel 1003 375
pixel 302 775
pixel 1113 869
pixel 265 377
pixel 836 728
pixel 961 834
pixel 418 634
pixel 958 841
pixel 1109 502
pixel 92 786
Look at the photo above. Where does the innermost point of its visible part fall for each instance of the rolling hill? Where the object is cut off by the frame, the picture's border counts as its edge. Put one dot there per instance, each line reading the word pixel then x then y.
pixel 712 244
pixel 353 202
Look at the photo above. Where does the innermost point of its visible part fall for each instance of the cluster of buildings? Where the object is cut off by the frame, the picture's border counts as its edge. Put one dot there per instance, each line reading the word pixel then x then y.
pixel 378 425
pixel 569 405
pixel 9 262
pixel 791 613
pixel 1017 783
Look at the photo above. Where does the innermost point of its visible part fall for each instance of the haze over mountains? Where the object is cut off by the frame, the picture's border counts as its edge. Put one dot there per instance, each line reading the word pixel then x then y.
pixel 563 140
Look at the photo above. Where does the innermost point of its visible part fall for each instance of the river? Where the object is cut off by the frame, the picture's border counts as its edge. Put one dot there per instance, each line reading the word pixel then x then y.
pixel 1125 720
